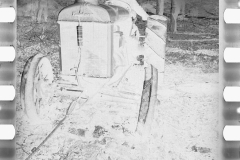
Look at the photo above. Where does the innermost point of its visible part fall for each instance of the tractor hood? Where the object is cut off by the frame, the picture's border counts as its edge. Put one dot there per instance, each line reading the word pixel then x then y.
pixel 87 12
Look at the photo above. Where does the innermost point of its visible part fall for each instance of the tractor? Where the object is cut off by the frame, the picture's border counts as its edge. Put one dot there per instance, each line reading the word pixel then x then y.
pixel 99 54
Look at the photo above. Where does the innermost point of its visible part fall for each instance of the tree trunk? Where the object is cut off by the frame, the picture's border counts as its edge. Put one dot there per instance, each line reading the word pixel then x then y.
pixel 177 7
pixel 39 10
pixel 172 18
pixel 42 10
pixel 160 7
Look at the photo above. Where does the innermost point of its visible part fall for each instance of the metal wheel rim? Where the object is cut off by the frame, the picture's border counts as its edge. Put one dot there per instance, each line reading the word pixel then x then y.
pixel 43 79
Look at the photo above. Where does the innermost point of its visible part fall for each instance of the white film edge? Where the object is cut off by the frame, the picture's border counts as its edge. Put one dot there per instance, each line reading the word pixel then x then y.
pixel 7 54
pixel 231 93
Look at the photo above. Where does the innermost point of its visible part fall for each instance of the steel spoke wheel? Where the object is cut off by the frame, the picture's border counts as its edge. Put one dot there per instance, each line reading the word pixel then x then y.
pixel 35 87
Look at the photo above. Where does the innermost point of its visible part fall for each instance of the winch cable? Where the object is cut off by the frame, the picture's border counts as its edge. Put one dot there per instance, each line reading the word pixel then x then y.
pixel 68 112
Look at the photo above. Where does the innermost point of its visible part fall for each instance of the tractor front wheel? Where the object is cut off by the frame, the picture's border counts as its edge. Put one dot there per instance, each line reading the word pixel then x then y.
pixel 35 88
pixel 148 100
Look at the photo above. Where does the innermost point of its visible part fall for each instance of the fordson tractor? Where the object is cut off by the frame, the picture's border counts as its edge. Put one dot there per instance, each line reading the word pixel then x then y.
pixel 100 54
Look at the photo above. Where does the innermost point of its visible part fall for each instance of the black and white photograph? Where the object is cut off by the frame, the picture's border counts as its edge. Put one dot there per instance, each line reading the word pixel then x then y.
pixel 117 80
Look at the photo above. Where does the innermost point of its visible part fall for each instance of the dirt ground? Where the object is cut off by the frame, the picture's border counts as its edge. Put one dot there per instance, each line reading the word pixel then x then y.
pixel 185 126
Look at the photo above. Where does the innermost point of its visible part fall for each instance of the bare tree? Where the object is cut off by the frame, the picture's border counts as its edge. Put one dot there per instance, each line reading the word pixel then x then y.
pixel 159 7
pixel 177 6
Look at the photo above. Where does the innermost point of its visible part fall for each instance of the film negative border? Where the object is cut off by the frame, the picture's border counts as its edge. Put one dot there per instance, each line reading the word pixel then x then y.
pixel 8 24
pixel 229 66
pixel 229 38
